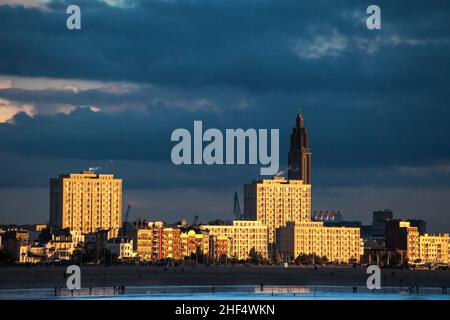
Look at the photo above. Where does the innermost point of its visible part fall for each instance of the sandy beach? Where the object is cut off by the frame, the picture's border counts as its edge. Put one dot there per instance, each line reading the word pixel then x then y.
pixel 96 276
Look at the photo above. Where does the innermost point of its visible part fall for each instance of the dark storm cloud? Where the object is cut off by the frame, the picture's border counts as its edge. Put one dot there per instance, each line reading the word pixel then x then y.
pixel 375 102
pixel 248 44
pixel 351 146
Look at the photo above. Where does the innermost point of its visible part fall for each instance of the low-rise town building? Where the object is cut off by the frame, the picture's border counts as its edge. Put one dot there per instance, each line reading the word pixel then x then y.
pixel 246 236
pixel 194 241
pixel 219 247
pixel 434 248
pixel 121 248
pixel 143 241
pixel 171 244
pixel 337 244
pixel 401 236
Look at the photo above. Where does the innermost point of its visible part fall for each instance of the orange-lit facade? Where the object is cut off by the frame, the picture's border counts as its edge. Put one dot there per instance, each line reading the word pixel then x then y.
pixel 194 241
pixel 171 244
pixel 219 246
pixel 276 202
pixel 338 244
pixel 86 202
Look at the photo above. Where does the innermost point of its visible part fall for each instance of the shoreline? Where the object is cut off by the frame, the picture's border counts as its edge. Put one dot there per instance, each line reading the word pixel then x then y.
pixel 131 275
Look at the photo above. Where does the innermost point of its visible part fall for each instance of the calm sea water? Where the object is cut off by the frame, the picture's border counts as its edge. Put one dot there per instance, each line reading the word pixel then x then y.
pixel 229 293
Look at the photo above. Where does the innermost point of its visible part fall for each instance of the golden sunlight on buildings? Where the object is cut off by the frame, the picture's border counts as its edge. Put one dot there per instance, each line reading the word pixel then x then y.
pixel 193 242
pixel 245 237
pixel 338 244
pixel 277 201
pixel 401 236
pixel 171 243
pixel 146 238
pixel 434 248
pixel 419 249
pixel 86 202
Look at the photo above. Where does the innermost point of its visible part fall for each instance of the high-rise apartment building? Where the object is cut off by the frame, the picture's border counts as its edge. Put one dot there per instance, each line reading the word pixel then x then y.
pixel 299 153
pixel 86 202
pixel 277 201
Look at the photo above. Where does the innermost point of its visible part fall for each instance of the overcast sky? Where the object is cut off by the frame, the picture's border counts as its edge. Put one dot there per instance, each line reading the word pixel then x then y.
pixel 376 103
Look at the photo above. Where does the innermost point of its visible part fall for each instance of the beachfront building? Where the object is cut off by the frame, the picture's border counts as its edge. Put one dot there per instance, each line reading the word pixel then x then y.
pixel 156 228
pixel 434 248
pixel 276 202
pixel 86 202
pixel 59 244
pixel 15 243
pixel 244 237
pixel 219 246
pixel 155 241
pixel 404 238
pixel 337 244
pixel 51 246
pixel 18 250
pixel 194 241
pixel 77 237
pixel 121 248
pixel 142 236
pixel 401 236
pixel 171 244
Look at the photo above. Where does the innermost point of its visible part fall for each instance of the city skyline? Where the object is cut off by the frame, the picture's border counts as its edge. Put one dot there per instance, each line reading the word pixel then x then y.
pixel 299 149
pixel 76 198
pixel 111 98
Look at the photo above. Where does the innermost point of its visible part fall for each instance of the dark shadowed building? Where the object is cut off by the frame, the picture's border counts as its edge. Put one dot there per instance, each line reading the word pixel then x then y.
pixel 421 225
pixel 379 222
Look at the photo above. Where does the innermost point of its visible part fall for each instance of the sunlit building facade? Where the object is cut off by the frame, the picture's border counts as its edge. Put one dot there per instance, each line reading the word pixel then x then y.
pixel 401 236
pixel 122 249
pixel 245 236
pixel 171 244
pixel 434 248
pixel 275 202
pixel 142 236
pixel 194 241
pixel 219 246
pixel 86 202
pixel 337 244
